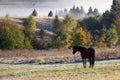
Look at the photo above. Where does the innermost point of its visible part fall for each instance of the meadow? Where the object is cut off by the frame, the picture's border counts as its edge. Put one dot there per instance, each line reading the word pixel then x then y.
pixel 103 70
pixel 57 64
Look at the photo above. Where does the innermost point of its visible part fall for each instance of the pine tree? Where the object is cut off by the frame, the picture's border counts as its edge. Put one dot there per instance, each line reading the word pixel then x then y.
pixel 82 10
pixel 90 11
pixel 111 36
pixel 56 24
pixel 95 12
pixel 30 23
pixel 115 9
pixel 69 23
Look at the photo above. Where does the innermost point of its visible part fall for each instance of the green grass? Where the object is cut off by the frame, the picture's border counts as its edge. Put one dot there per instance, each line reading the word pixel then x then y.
pixel 104 70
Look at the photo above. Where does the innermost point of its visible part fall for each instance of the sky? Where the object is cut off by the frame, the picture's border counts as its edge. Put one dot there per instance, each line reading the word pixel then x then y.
pixel 25 7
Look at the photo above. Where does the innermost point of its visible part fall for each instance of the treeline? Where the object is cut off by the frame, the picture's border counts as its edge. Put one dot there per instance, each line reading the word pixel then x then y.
pixel 78 12
pixel 100 31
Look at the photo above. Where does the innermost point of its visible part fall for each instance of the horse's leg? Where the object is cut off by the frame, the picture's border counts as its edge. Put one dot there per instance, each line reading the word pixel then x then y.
pixel 90 61
pixel 83 60
pixel 93 61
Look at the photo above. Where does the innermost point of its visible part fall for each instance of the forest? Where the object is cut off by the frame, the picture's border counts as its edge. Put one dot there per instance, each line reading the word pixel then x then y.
pixel 97 31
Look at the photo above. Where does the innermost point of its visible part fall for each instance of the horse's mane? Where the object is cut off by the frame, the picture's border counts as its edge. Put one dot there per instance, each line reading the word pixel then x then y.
pixel 79 48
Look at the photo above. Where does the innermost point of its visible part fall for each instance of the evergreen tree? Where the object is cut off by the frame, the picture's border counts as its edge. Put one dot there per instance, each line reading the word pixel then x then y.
pixel 115 9
pixel 30 23
pixel 29 27
pixel 63 31
pixel 73 8
pixel 56 21
pixel 90 11
pixel 106 19
pixel 95 12
pixel 82 10
pixel 56 24
pixel 69 23
pixel 91 24
pixel 77 9
pixel 42 33
pixel 65 11
pixel 61 40
pixel 111 36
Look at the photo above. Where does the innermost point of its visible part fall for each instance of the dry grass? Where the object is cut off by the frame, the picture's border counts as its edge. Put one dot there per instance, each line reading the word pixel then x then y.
pixel 104 70
pixel 53 55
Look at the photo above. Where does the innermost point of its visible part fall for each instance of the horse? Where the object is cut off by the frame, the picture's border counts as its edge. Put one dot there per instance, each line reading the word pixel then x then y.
pixel 86 53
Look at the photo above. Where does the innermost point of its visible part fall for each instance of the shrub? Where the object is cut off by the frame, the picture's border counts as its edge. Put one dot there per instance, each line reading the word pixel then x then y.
pixel 11 37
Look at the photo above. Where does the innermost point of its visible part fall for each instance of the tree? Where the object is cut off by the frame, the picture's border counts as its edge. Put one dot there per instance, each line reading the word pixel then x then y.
pixel 111 36
pixel 29 27
pixel 34 13
pixel 117 23
pixel 28 34
pixel 30 23
pixel 106 19
pixel 82 10
pixel 73 8
pixel 95 12
pixel 90 11
pixel 65 11
pixel 11 37
pixel 69 23
pixel 91 24
pixel 115 9
pixel 50 14
pixel 56 22
pixel 101 37
pixel 27 44
pixel 80 37
pixel 42 33
pixel 63 31
pixel 61 40
pixel 77 9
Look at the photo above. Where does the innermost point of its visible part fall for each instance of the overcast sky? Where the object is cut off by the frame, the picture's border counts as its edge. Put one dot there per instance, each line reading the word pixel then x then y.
pixel 44 6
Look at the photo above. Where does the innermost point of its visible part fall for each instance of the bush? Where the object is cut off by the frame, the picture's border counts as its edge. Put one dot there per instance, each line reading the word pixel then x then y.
pixel 11 37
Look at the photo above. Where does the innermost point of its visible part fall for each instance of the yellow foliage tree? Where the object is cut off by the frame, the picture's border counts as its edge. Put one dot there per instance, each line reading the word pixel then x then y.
pixel 80 37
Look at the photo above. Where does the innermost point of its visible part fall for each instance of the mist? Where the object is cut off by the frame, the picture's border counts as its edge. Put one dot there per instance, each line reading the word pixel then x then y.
pixel 25 7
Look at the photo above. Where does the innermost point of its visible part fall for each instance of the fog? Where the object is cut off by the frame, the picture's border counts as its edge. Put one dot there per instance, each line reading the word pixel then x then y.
pixel 25 7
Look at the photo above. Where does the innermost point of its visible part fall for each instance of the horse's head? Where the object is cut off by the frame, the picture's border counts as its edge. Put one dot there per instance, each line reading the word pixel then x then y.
pixel 78 48
pixel 74 52
pixel 74 49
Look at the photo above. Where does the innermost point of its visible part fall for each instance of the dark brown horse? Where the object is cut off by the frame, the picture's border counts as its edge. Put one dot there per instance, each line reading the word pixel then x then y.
pixel 86 53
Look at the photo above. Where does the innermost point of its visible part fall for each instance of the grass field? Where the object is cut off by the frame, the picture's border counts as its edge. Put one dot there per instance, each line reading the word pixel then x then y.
pixel 104 70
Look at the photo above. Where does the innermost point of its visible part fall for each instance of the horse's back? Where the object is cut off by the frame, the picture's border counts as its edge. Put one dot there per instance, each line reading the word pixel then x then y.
pixel 91 51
